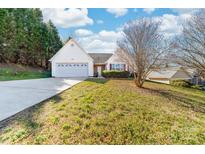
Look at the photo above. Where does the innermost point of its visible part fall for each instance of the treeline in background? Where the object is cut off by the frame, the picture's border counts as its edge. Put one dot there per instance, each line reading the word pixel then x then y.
pixel 26 39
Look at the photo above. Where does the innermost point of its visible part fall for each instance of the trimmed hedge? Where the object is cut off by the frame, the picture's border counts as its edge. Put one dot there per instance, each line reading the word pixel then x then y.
pixel 115 74
pixel 180 83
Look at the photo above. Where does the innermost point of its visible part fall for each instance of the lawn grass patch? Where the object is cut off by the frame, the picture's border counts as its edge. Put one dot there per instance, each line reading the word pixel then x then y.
pixel 99 111
pixel 11 74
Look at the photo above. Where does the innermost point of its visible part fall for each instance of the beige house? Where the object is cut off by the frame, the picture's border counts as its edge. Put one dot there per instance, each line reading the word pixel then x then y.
pixel 107 61
pixel 165 75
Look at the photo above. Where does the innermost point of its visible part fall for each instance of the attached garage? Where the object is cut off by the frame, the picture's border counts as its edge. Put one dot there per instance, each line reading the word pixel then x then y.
pixel 71 69
pixel 71 61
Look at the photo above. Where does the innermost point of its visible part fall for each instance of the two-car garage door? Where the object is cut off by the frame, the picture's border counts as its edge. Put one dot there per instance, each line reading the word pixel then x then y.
pixel 71 70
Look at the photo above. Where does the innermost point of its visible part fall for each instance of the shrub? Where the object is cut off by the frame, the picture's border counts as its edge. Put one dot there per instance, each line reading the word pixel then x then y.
pixel 131 75
pixel 115 74
pixel 180 83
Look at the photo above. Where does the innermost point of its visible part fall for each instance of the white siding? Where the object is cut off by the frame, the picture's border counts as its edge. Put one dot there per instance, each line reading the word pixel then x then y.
pixel 72 53
pixel 160 81
pixel 114 59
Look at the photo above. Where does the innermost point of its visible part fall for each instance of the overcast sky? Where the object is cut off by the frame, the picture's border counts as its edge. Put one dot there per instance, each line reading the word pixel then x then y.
pixel 98 29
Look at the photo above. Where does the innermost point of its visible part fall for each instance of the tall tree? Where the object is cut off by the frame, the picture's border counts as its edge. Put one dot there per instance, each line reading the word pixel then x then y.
pixel 3 16
pixel 7 34
pixel 192 43
pixel 22 38
pixel 142 47
pixel 35 26
pixel 53 43
pixel 26 39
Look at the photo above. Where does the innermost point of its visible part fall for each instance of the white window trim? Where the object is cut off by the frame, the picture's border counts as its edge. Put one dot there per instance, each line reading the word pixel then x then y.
pixel 118 66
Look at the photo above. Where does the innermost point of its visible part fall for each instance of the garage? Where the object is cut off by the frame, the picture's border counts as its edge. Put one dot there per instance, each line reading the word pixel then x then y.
pixel 71 70
pixel 71 61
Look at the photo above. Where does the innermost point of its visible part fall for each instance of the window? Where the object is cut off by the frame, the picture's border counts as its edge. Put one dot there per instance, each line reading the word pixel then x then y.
pixel 120 67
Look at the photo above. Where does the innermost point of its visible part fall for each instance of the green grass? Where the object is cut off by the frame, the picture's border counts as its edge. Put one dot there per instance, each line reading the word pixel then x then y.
pixel 10 74
pixel 113 112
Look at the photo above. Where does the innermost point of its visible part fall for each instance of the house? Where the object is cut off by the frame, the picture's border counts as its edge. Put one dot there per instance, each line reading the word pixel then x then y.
pixel 165 75
pixel 73 61
pixel 196 79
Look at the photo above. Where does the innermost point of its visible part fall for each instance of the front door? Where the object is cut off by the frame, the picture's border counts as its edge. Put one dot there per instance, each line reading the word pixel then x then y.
pixel 99 71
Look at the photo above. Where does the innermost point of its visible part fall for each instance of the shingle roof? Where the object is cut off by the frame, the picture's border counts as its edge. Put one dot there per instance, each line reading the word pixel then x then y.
pixel 163 73
pixel 100 57
pixel 191 71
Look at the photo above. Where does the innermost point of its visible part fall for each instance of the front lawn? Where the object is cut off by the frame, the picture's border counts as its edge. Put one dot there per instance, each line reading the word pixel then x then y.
pixel 11 74
pixel 112 112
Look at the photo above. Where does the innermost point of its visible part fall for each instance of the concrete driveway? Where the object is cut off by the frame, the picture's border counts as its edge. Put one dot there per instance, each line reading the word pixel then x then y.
pixel 18 95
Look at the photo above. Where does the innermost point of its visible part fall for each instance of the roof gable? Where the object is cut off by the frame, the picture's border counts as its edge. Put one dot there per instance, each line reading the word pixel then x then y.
pixel 100 58
pixel 115 59
pixel 181 73
pixel 66 48
pixel 169 73
pixel 162 73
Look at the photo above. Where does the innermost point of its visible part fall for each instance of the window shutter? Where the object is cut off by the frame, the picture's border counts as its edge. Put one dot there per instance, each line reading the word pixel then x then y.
pixel 110 66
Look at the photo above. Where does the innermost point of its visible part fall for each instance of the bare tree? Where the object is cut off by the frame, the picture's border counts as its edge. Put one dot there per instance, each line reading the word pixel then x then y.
pixel 142 47
pixel 192 42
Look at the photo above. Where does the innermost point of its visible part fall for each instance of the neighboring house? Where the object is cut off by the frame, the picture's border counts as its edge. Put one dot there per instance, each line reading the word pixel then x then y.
pixel 73 61
pixel 196 77
pixel 165 75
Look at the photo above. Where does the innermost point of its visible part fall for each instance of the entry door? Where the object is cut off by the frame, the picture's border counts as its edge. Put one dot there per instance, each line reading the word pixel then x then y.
pixel 99 69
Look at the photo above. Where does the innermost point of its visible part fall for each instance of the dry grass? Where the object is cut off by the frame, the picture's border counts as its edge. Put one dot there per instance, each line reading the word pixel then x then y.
pixel 112 112
pixel 19 72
